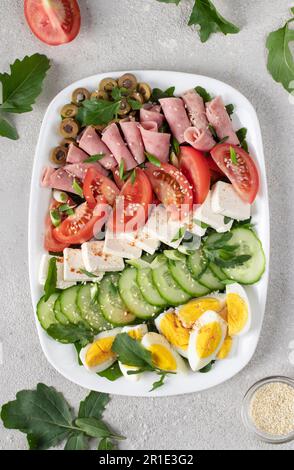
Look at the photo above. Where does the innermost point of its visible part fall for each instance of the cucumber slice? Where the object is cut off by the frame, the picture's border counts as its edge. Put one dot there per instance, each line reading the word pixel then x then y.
pixel 148 289
pixel 181 274
pixel 68 305
pixel 252 270
pixel 197 263
pixel 60 317
pixel 168 288
pixel 112 306
pixel 209 280
pixel 217 271
pixel 45 311
pixel 132 297
pixel 90 310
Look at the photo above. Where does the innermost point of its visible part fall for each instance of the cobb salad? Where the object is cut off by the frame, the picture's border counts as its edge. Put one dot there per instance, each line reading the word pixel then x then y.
pixel 148 237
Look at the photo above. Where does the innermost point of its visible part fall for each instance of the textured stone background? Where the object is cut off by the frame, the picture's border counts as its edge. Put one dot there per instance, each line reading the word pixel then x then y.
pixel 117 35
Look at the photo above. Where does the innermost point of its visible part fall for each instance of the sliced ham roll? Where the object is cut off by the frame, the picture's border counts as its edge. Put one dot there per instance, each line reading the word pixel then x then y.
pixel 134 140
pixel 91 143
pixel 218 117
pixel 176 116
pixel 156 143
pixel 63 177
pixel 79 170
pixel 151 113
pixel 114 141
pixel 199 139
pixel 77 155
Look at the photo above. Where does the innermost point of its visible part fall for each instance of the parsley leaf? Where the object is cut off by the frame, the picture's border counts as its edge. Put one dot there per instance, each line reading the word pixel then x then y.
pixel 7 130
pixel 51 281
pixel 112 373
pixel 131 352
pixel 230 109
pixel 280 63
pixel 24 83
pixel 203 93
pixel 209 19
pixel 71 333
pixel 158 94
pixel 241 134
pixel 97 112
pixel 159 383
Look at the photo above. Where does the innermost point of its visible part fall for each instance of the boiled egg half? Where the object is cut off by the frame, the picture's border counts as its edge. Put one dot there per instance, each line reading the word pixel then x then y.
pixel 170 326
pixel 190 312
pixel 164 357
pixel 238 310
pixel 98 356
pixel 136 332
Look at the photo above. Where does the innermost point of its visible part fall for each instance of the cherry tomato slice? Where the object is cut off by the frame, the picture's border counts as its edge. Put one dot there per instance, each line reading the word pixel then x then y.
pixel 194 166
pixel 99 188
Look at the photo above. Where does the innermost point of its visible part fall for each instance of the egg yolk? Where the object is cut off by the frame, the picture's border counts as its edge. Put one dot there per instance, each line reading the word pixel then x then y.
pixel 192 311
pixel 100 351
pixel 135 334
pixel 162 357
pixel 174 331
pixel 208 339
pixel 237 313
pixel 226 348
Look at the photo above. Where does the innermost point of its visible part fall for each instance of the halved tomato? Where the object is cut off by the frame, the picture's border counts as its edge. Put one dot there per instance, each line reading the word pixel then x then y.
pixel 82 225
pixel 194 166
pixel 242 173
pixel 99 188
pixel 171 188
pixel 132 206
pixel 54 22
pixel 50 242
pixel 118 181
pixel 216 173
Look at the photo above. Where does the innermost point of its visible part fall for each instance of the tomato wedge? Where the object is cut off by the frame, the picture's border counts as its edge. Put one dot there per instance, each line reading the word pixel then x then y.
pixel 118 181
pixel 194 166
pixel 54 22
pixel 50 242
pixel 99 188
pixel 243 173
pixel 171 188
pixel 82 225
pixel 131 208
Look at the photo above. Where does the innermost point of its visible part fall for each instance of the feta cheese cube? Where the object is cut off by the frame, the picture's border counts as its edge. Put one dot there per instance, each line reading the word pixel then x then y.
pixel 143 241
pixel 205 214
pixel 61 283
pixel 74 266
pixel 161 226
pixel 96 260
pixel 225 201
pixel 117 245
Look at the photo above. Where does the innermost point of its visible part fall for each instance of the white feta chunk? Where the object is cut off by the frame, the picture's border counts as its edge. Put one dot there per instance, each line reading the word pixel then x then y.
pixel 96 260
pixel 61 283
pixel 74 267
pixel 143 241
pixel 225 201
pixel 117 245
pixel 161 226
pixel 205 214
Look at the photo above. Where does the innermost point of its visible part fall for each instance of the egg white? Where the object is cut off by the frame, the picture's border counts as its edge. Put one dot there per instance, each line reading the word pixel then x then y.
pixel 142 329
pixel 157 321
pixel 196 362
pixel 239 290
pixel 151 339
pixel 104 365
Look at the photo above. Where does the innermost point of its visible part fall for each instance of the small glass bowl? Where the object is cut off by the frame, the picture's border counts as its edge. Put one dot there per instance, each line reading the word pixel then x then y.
pixel 246 417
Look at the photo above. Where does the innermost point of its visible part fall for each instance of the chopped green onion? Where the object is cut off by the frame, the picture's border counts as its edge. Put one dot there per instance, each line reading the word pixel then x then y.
pixel 152 159
pixel 77 188
pixel 88 273
pixel 94 158
pixel 233 156
pixel 121 170
pixel 55 217
pixel 60 196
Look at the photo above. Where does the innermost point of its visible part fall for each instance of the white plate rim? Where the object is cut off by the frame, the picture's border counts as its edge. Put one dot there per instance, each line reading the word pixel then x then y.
pixel 173 385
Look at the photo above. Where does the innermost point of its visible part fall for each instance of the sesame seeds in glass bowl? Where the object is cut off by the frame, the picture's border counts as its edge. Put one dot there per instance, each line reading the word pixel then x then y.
pixel 268 409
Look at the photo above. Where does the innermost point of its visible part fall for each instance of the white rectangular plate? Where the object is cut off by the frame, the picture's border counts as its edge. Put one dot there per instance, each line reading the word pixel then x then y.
pixel 63 358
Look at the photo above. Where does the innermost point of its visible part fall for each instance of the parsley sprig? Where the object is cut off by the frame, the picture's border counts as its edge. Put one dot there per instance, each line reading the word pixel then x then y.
pixel 224 254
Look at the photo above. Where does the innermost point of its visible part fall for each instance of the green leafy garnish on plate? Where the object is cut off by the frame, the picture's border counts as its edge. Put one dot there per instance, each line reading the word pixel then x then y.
pixel 112 373
pixel 203 93
pixel 158 94
pixel 94 158
pixel 233 156
pixel 152 159
pixel 51 280
pixel 77 188
pixel 97 112
pixel 71 333
pixel 242 134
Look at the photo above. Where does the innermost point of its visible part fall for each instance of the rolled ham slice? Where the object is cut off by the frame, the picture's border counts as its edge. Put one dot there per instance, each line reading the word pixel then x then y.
pixel 176 116
pixel 63 177
pixel 114 141
pixel 77 155
pixel 134 140
pixel 155 143
pixel 218 117
pixel 199 139
pixel 151 113
pixel 79 170
pixel 91 143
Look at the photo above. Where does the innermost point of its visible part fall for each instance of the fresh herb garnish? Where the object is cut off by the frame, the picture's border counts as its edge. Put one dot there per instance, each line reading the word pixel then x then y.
pixel 77 188
pixel 181 232
pixel 66 208
pixel 46 418
pixel 242 134
pixel 230 109
pixel 159 383
pixel 87 273
pixel 233 156
pixel 51 281
pixel 207 368
pixel 200 223
pixel 71 333
pixel 121 169
pixel 152 159
pixel 213 131
pixel 112 373
pixel 135 105
pixel 223 254
pixel 97 112
pixel 280 63
pixel 227 220
pixel 223 140
pixel 133 176
pixel 158 94
pixel 203 93
pixel 55 217
pixel 94 158
pixel 175 146
pixel 21 88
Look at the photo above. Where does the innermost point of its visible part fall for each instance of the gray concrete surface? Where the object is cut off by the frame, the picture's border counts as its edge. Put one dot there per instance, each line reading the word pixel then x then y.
pixel 142 34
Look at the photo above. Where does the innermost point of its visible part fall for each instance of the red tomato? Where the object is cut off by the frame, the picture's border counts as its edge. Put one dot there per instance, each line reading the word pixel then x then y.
pixel 243 175
pixel 132 206
pixel 194 166
pixel 118 181
pixel 50 242
pixel 216 173
pixel 54 22
pixel 99 188
pixel 81 226
pixel 171 188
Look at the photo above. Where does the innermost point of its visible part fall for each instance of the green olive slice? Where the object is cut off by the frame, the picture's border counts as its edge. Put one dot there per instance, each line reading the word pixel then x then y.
pixel 138 97
pixel 69 111
pixel 124 107
pixel 69 128
pixel 67 142
pixel 128 81
pixel 80 95
pixel 145 90
pixel 59 154
pixel 99 95
pixel 107 84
